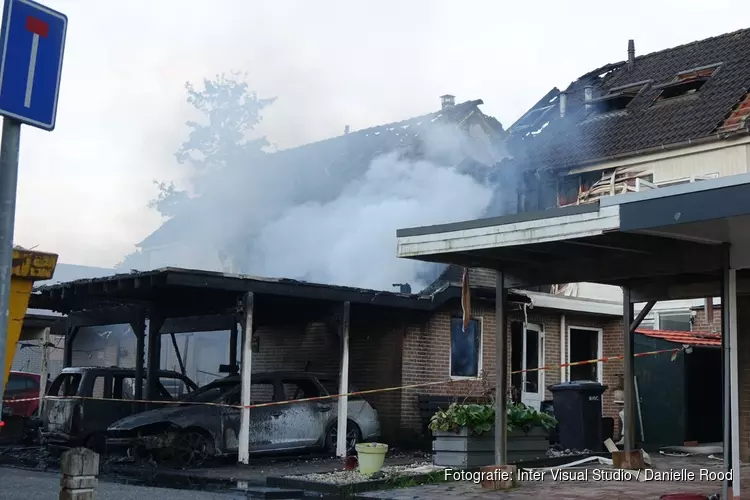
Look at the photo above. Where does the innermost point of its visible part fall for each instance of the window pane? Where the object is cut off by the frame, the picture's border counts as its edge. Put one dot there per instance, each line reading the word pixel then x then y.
pixel 299 389
pixel 532 360
pixel 675 322
pixel 465 348
pixel 15 384
pixel 261 393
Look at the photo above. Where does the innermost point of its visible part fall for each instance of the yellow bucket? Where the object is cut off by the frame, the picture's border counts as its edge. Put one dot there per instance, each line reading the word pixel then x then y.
pixel 28 266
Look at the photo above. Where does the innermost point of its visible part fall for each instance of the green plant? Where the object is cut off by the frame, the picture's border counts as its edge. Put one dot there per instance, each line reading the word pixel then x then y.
pixel 480 418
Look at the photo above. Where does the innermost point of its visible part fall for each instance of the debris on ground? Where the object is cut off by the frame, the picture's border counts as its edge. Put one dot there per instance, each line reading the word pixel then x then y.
pixel 555 452
pixel 354 476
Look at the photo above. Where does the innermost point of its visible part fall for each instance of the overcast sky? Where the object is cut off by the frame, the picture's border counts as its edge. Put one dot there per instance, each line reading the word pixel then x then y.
pixel 83 188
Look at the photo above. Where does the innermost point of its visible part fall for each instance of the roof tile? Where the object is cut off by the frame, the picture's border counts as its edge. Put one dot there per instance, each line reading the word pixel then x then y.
pixel 577 138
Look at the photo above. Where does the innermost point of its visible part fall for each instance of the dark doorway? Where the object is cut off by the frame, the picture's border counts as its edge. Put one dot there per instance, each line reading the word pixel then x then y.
pixel 584 345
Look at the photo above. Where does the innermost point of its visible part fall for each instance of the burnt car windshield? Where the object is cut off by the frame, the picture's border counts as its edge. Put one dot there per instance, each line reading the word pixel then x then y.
pixel 212 392
pixel 332 387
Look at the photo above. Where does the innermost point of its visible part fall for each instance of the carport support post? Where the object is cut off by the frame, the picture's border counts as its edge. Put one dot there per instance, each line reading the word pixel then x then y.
pixel 247 370
pixel 501 371
pixel 731 382
pixel 70 337
pixel 233 344
pixel 153 366
pixel 43 376
pixel 628 370
pixel 343 400
pixel 138 325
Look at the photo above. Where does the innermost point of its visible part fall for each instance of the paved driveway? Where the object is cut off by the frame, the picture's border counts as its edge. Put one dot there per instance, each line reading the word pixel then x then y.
pixel 19 484
pixel 594 488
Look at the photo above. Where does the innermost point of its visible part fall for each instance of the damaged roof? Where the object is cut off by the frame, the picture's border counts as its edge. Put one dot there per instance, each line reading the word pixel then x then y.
pixel 339 155
pixel 685 338
pixel 137 287
pixel 697 91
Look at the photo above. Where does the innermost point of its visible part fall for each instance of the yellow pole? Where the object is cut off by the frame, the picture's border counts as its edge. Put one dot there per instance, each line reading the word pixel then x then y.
pixel 28 266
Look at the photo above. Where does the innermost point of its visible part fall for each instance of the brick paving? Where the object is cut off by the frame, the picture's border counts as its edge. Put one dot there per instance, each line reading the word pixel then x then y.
pixel 564 490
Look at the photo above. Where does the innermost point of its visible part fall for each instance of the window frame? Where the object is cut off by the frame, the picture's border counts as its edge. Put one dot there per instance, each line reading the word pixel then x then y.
pixel 480 354
pixel 658 315
pixel 599 350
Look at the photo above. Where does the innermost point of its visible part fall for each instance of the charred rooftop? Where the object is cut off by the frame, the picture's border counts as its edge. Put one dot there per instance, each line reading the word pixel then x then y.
pixel 679 96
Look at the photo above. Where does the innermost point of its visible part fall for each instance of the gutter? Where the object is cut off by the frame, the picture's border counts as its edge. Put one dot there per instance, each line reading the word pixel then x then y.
pixel 574 304
pixel 655 149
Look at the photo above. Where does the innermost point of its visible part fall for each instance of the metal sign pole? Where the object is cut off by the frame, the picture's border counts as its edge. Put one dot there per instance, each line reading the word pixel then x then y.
pixel 9 148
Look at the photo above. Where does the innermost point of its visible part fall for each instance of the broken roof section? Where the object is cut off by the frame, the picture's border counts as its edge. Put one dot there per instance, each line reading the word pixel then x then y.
pixel 685 338
pixel 317 164
pixel 693 92
pixel 219 291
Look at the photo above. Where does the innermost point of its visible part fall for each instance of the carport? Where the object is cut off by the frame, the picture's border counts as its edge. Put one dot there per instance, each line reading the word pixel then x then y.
pixel 180 300
pixel 680 242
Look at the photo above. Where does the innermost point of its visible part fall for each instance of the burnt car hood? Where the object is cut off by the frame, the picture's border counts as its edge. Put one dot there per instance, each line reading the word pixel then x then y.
pixel 180 415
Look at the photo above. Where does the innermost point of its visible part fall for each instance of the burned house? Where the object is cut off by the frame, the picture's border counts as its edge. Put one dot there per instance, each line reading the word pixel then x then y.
pixel 654 120
pixel 395 339
pixel 457 135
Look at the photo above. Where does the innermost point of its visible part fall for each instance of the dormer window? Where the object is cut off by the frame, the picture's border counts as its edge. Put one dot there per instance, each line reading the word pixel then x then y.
pixel 617 98
pixel 687 82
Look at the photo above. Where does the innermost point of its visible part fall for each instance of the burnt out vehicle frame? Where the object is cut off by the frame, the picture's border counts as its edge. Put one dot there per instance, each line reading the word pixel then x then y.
pixel 204 427
pixel 83 401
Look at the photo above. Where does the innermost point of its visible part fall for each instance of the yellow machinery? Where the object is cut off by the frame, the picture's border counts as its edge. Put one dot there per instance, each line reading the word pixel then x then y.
pixel 28 266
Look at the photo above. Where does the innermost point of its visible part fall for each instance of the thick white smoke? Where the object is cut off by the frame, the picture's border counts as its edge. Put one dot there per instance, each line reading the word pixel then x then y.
pixel 351 239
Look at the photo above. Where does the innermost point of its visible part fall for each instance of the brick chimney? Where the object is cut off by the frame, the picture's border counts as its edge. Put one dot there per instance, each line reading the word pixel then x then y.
pixel 631 54
pixel 447 101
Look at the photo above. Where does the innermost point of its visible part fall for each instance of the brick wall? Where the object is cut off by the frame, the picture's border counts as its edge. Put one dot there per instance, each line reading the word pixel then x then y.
pixel 426 355
pixel 700 320
pixel 374 357
pixel 293 348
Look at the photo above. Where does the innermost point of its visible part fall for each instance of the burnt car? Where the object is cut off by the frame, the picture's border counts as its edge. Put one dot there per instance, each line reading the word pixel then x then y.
pixel 84 401
pixel 185 435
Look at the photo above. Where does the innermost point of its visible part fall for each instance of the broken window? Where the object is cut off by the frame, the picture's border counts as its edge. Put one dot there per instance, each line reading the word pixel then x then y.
pixel 65 385
pixel 568 190
pixel 300 389
pixel 332 388
pixel 102 387
pixel 617 98
pixel 687 82
pixel 466 348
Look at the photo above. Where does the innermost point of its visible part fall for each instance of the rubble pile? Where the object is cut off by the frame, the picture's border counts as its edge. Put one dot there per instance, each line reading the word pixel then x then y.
pixel 354 476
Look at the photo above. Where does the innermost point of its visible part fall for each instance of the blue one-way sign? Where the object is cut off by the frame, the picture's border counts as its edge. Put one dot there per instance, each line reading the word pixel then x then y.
pixel 32 43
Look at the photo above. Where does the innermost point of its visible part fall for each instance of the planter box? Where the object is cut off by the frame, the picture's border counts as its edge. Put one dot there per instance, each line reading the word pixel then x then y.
pixel 464 449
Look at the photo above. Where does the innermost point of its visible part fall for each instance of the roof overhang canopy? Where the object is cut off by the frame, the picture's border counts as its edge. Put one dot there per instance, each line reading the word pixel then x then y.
pixel 666 243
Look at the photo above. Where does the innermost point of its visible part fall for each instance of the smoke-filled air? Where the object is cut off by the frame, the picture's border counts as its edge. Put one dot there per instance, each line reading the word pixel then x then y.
pixel 325 212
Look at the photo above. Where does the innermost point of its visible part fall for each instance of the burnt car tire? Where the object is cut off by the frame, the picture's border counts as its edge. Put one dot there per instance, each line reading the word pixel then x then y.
pixel 353 436
pixel 190 448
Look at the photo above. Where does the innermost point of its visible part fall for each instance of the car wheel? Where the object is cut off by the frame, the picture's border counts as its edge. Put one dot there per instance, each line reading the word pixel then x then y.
pixel 353 436
pixel 190 448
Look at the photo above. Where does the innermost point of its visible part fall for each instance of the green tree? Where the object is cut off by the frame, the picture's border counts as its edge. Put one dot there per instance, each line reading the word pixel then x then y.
pixel 231 111
pixel 221 140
